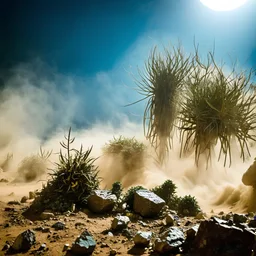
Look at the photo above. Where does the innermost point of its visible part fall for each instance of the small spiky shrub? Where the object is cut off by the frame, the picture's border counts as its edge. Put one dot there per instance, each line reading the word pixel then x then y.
pixel 33 167
pixel 167 191
pixel 217 108
pixel 188 206
pixel 129 196
pixel 161 84
pixel 5 164
pixel 72 181
pixel 132 151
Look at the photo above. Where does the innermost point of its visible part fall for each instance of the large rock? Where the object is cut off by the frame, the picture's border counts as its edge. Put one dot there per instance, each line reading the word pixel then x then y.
pixel 84 244
pixel 24 241
pixel 120 222
pixel 170 241
pixel 101 201
pixel 249 177
pixel 147 203
pixel 216 237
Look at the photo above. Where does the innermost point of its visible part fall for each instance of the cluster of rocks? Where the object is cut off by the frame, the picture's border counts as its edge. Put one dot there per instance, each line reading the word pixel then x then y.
pixel 231 234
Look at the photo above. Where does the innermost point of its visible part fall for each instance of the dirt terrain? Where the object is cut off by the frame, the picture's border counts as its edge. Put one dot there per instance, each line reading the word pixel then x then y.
pixel 12 223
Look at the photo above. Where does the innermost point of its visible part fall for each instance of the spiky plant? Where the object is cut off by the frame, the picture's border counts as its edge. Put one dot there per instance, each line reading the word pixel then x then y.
pixel 132 151
pixel 161 84
pixel 217 108
pixel 33 167
pixel 73 179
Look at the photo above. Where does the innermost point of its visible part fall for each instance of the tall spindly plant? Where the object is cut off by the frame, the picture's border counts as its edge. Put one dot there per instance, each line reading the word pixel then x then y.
pixel 160 84
pixel 217 108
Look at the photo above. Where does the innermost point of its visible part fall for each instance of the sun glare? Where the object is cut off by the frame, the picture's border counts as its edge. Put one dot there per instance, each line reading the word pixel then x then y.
pixel 223 5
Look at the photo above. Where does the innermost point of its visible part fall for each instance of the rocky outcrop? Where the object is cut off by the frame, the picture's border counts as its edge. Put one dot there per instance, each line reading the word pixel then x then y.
pixel 216 237
pixel 101 201
pixel 147 203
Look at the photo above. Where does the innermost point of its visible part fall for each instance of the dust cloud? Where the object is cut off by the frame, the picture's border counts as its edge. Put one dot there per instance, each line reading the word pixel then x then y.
pixel 34 113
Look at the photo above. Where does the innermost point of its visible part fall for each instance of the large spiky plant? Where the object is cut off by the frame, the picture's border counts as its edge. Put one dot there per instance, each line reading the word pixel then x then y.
pixel 217 108
pixel 72 180
pixel 160 84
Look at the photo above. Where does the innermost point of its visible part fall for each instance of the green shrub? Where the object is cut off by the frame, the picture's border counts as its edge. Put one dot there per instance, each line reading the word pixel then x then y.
pixel 117 189
pixel 167 191
pixel 72 181
pixel 130 149
pixel 129 196
pixel 188 206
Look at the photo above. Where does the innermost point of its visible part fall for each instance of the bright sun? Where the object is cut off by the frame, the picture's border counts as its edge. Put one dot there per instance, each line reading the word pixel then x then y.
pixel 223 5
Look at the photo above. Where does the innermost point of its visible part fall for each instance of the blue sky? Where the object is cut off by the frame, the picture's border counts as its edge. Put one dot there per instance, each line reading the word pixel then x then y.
pixel 94 46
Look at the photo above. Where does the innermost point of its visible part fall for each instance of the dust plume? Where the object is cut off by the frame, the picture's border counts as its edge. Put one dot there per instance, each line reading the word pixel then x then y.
pixel 37 106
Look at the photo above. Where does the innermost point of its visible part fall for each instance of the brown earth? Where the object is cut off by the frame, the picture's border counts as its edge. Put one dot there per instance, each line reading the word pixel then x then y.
pixel 12 223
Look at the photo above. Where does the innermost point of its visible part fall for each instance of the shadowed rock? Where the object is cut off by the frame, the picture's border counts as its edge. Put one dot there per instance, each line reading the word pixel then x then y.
pixel 120 222
pixel 24 241
pixel 142 238
pixel 101 201
pixel 215 237
pixel 147 203
pixel 84 244
pixel 170 241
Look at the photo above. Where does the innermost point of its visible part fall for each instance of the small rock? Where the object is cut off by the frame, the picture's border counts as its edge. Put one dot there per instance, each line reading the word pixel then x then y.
pixel 45 230
pixel 31 195
pixel 59 226
pixel 66 247
pixel 200 216
pixel 239 218
pixel 169 241
pixel 46 215
pixel 84 244
pixel 101 201
pixel 120 222
pixel 110 234
pixel 142 238
pixel 169 220
pixel 112 252
pixel 24 199
pixel 24 241
pixel 191 233
pixel 4 180
pixel 221 213
pixel 252 223
pixel 6 247
pixel 42 247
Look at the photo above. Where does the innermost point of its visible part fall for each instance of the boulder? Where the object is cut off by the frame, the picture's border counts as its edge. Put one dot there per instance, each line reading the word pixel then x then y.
pixel 120 222
pixel 84 244
pixel 101 201
pixel 216 237
pixel 142 238
pixel 24 241
pixel 147 203
pixel 249 177
pixel 170 241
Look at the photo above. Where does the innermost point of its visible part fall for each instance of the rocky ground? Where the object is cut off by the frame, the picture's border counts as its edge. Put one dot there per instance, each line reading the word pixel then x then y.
pixel 123 233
